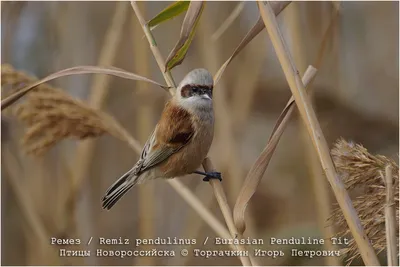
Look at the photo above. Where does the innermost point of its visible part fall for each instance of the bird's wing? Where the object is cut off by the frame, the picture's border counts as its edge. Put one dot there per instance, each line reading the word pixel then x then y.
pixel 147 145
pixel 173 132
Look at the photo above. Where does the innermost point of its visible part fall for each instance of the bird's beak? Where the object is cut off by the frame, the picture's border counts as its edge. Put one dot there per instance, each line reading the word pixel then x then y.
pixel 206 96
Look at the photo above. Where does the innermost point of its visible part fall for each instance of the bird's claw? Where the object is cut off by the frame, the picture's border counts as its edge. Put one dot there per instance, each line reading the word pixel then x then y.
pixel 212 175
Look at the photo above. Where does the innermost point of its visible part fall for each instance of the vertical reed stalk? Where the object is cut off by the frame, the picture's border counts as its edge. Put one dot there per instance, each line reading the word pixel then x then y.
pixel 319 184
pixel 314 129
pixel 390 219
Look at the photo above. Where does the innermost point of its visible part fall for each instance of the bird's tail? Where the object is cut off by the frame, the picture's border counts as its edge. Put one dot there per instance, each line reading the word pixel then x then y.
pixel 118 189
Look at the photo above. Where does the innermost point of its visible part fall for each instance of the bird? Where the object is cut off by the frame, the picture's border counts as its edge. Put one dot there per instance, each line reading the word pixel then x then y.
pixel 179 142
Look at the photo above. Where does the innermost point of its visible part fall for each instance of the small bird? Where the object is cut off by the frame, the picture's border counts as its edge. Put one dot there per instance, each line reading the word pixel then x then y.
pixel 180 141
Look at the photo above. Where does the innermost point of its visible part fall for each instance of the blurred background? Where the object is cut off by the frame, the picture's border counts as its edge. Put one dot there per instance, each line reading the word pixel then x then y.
pixel 355 94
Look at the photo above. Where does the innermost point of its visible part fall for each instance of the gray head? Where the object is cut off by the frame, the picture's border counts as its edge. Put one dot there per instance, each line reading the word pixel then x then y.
pixel 195 90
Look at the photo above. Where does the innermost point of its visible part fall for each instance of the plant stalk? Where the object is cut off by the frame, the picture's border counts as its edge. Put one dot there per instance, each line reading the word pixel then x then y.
pixel 390 219
pixel 314 129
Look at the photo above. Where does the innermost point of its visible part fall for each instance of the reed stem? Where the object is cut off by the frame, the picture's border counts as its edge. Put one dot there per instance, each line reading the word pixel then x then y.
pixel 314 130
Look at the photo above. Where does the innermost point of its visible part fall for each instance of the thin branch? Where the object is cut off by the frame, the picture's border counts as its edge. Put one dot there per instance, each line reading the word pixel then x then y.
pixel 216 185
pixel 314 129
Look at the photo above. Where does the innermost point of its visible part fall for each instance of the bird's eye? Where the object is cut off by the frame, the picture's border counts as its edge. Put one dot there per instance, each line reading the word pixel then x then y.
pixel 195 89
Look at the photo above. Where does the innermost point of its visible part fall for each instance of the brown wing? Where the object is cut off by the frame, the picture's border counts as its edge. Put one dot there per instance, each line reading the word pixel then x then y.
pixel 174 131
pixel 175 127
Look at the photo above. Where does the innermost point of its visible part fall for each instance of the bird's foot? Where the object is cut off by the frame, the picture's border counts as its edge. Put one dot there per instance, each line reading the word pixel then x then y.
pixel 210 175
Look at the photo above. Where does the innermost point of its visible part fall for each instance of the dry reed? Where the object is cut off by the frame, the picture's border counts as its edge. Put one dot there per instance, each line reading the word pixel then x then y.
pixel 52 115
pixel 390 217
pixel 319 184
pixel 314 129
pixel 12 81
pixel 361 171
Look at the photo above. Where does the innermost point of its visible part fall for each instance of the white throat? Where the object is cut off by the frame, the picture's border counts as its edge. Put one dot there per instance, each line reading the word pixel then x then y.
pixel 196 103
pixel 199 106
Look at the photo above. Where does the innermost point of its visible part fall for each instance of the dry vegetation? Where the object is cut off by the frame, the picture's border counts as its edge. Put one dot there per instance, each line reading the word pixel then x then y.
pixel 276 180
pixel 362 172
pixel 50 115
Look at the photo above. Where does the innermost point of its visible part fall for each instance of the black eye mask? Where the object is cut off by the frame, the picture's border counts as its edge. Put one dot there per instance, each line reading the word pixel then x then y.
pixel 193 89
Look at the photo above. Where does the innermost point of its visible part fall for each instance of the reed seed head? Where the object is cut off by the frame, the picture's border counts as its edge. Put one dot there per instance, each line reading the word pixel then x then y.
pixel 52 115
pixel 362 175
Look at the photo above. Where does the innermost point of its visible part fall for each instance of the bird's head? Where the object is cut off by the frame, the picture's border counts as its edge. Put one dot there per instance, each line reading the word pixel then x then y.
pixel 196 90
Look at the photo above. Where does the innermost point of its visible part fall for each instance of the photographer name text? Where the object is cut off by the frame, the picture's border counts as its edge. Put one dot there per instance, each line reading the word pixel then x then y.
pixel 156 247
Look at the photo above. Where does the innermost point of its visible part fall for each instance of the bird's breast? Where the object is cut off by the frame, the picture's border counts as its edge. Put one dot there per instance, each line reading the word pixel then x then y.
pixel 190 157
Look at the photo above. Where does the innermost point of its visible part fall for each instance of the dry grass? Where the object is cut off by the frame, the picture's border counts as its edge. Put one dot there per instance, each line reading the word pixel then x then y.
pixel 361 173
pixel 51 115
pixel 12 81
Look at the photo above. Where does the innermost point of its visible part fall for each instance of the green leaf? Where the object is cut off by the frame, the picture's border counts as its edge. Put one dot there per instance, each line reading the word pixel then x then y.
pixel 168 13
pixel 188 30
